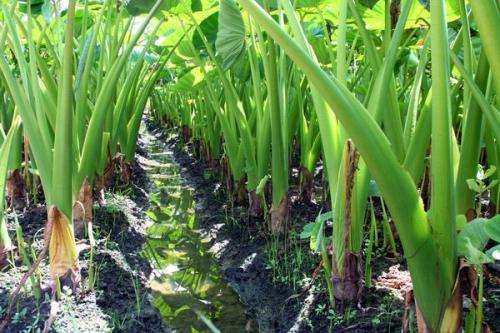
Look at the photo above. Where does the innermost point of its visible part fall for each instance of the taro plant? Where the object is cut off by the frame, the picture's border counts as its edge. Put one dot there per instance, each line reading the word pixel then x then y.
pixel 429 238
pixel 15 184
pixel 5 153
pixel 65 106
pixel 55 165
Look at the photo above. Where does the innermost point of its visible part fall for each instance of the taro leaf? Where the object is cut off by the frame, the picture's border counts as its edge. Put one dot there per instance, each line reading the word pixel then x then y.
pixel 308 3
pixel 189 80
pixel 473 185
pixel 314 231
pixel 325 216
pixel 241 68
pixel 492 184
pixel 181 309
pixel 368 3
pixel 375 17
pixel 36 6
pixel 230 42
pixel 173 28
pixel 209 27
pixel 196 5
pixel 492 228
pixel 185 50
pixel 472 254
pixel 320 49
pixel 302 4
pixel 490 172
pixel 307 230
pixel 149 57
pixel 473 238
pixel 318 236
pixel 137 7
pixel 317 242
pixel 473 231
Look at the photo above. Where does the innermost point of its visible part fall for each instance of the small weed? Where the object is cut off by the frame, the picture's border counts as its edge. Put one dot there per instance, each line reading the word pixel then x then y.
pixel 19 316
pixel 290 260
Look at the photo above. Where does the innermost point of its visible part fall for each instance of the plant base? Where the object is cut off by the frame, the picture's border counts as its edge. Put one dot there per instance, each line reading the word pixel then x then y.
pixel 254 204
pixel 62 250
pixel 279 216
pixel 347 287
pixel 306 185
pixel 82 210
pixel 15 190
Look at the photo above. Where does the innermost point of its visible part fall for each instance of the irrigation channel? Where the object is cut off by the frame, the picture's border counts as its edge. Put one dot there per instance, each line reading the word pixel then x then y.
pixel 186 281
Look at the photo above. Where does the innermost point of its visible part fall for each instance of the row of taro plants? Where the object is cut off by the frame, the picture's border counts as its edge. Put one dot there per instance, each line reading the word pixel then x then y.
pixel 398 99
pixel 75 79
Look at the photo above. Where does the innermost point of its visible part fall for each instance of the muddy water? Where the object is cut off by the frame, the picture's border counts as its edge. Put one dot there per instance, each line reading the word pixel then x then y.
pixel 187 287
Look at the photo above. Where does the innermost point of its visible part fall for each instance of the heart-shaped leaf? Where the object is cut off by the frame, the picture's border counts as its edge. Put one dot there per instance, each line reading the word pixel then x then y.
pixel 230 42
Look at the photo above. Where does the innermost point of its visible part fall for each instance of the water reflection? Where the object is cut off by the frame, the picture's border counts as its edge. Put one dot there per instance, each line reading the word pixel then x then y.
pixel 186 279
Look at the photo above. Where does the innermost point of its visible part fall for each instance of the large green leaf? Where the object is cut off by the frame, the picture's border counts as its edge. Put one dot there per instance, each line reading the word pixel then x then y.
pixel 375 17
pixel 137 7
pixel 186 51
pixel 36 6
pixel 230 42
pixel 189 80
pixel 172 29
pixel 474 231
pixel 474 236
pixel 196 5
pixel 209 28
pixel 472 254
pixel 310 3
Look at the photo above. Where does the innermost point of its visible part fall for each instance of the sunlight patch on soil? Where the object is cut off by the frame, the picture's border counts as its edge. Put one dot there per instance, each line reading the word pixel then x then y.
pixel 396 281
